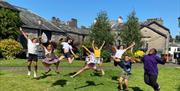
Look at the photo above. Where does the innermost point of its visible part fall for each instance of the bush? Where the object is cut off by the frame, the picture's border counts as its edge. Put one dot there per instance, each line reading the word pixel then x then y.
pixel 106 55
pixel 139 54
pixel 9 48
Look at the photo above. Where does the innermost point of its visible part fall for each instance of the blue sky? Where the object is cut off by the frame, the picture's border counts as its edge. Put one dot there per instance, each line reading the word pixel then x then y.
pixel 86 10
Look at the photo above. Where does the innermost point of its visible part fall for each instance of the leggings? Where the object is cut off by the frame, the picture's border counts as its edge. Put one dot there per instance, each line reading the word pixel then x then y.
pixel 151 80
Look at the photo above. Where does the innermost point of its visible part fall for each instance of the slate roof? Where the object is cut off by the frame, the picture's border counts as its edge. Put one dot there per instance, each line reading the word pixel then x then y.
pixel 30 20
pixel 7 5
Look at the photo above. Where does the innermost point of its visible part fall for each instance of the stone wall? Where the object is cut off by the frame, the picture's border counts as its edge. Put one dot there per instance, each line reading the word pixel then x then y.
pixel 153 39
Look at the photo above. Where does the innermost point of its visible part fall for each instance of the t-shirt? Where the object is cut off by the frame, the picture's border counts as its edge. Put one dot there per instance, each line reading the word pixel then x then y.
pixel 66 46
pixel 32 47
pixel 119 53
pixel 151 64
pixel 97 52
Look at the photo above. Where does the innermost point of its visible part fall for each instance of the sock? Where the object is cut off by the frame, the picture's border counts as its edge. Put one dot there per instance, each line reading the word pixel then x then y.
pixel 29 70
pixel 35 71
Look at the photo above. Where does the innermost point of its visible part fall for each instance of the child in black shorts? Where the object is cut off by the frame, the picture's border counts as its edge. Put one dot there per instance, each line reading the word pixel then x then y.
pixel 32 45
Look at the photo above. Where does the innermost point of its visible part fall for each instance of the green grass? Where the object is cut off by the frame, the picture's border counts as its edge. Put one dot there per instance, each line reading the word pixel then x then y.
pixel 16 79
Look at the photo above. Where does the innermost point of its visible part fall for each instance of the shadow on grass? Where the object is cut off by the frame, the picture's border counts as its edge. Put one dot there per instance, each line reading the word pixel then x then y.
pixel 69 74
pixel 178 89
pixel 62 83
pixel 115 78
pixel 136 89
pixel 89 83
pixel 45 76
pixel 1 73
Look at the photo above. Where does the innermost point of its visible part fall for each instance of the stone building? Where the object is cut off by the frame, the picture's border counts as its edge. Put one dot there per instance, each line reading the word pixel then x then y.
pixel 155 35
pixel 35 25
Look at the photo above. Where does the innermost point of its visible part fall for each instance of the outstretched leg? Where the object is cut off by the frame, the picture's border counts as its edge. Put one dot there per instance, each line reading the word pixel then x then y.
pixel 80 71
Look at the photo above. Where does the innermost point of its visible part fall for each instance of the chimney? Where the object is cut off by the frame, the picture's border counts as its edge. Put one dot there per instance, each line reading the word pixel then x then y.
pixel 73 23
pixel 120 20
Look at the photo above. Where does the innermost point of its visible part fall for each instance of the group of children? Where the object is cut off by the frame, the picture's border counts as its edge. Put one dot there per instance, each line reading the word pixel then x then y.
pixel 92 59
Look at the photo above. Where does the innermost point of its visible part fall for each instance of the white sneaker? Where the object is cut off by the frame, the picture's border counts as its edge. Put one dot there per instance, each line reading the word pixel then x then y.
pixel 102 71
pixel 35 75
pixel 29 73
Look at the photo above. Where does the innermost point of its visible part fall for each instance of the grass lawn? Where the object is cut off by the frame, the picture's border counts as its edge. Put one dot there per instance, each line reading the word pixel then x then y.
pixel 15 79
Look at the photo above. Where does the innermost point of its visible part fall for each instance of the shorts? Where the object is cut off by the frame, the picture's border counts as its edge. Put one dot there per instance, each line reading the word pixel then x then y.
pixel 92 65
pixel 124 75
pixel 67 55
pixel 32 57
pixel 98 60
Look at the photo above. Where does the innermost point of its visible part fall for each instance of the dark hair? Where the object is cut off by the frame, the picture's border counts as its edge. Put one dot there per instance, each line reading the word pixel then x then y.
pixel 91 49
pixel 118 47
pixel 33 39
pixel 154 51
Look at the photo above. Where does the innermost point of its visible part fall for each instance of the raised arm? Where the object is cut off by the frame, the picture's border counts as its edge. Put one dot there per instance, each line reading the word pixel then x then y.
pixel 93 44
pixel 102 45
pixel 86 49
pixel 130 46
pixel 24 34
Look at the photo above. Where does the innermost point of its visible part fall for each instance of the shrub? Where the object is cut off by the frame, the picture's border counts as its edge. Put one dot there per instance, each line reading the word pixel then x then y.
pixel 106 55
pixel 139 54
pixel 9 48
pixel 128 53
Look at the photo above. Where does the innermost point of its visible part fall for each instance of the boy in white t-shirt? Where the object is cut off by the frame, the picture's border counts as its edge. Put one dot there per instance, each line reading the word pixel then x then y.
pixel 32 45
pixel 67 50
pixel 119 52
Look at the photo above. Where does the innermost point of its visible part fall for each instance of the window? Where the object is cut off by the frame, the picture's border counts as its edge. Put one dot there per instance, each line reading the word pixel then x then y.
pixel 178 49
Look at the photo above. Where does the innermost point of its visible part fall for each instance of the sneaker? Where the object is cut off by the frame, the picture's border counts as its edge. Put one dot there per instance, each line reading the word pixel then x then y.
pixel 35 74
pixel 102 71
pixel 72 76
pixel 29 73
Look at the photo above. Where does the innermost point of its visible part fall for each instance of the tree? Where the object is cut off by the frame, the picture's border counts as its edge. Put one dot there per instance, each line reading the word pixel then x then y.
pixel 100 30
pixel 131 31
pixel 177 39
pixel 9 23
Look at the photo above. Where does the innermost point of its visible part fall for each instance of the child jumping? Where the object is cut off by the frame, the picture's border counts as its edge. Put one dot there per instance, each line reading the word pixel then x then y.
pixel 123 79
pixel 50 58
pixel 97 54
pixel 119 52
pixel 67 50
pixel 91 63
pixel 32 46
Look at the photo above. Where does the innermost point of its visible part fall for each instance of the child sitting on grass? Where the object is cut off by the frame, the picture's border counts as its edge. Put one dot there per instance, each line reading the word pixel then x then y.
pixel 90 62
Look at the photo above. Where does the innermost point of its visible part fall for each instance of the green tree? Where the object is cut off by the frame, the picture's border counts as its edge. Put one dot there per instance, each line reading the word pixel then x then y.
pixel 100 30
pixel 9 23
pixel 177 39
pixel 131 31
